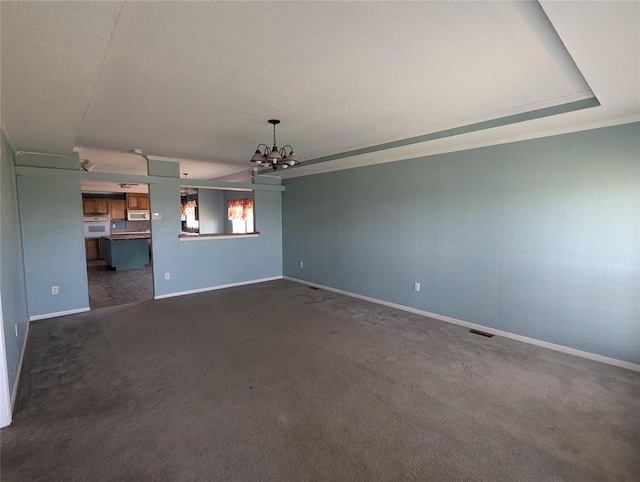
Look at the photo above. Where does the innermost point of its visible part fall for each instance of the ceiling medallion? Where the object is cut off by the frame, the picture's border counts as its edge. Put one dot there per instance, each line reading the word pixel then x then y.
pixel 274 157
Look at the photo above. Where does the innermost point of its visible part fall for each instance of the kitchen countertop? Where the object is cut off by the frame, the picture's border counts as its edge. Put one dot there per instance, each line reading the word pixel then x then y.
pixel 124 237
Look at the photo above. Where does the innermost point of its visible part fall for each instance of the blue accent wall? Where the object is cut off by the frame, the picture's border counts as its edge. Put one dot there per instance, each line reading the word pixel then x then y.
pixel 538 238
pixel 163 168
pixel 53 239
pixel 35 159
pixel 54 252
pixel 199 264
pixel 210 211
pixel 12 278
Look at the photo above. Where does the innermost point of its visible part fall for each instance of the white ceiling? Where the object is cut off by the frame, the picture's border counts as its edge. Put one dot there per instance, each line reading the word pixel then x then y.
pixel 197 81
pixel 130 163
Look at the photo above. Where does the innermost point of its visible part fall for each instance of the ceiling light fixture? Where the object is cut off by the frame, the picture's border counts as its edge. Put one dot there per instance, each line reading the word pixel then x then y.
pixel 185 192
pixel 275 157
pixel 87 165
pixel 140 152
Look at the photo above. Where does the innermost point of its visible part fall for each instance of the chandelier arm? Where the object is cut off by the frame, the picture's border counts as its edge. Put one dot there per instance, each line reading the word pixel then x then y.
pixel 274 156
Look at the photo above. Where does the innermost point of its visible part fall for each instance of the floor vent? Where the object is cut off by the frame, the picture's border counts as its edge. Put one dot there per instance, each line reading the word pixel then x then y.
pixel 313 288
pixel 481 333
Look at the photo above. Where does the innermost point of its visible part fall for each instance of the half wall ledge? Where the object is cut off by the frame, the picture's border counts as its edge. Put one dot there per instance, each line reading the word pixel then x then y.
pixel 202 237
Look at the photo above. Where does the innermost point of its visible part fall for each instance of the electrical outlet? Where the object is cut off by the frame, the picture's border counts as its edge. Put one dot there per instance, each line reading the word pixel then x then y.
pixel 302 264
pixel 167 275
pixel 54 290
pixel 416 286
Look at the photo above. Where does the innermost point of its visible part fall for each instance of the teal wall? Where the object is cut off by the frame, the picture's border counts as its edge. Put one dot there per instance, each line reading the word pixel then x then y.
pixel 211 210
pixel 199 264
pixel 163 168
pixel 34 159
pixel 51 214
pixel 538 238
pixel 12 279
pixel 54 253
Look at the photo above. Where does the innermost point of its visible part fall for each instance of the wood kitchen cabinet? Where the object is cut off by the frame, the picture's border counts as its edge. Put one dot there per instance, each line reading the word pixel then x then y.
pixel 138 201
pixel 93 248
pixel 88 207
pixel 117 210
pixel 95 207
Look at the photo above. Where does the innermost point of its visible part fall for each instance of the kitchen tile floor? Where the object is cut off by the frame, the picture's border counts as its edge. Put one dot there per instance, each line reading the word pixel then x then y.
pixel 109 287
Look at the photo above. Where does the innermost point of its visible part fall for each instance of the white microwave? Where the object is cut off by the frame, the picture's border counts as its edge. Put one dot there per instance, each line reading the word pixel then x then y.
pixel 133 215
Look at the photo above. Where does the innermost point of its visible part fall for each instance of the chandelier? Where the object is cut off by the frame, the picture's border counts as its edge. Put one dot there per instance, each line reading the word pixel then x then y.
pixel 274 157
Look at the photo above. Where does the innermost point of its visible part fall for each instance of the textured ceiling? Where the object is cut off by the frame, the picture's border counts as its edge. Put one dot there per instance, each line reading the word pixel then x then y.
pixel 198 80
pixel 52 54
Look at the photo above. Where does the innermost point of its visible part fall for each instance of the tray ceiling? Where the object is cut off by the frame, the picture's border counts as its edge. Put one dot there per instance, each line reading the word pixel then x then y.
pixel 198 80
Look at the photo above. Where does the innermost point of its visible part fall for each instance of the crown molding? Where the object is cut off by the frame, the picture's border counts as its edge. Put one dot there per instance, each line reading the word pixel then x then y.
pixel 7 136
pixel 417 151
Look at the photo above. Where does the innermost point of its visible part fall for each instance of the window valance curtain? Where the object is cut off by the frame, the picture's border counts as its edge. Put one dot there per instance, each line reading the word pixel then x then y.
pixel 240 209
pixel 188 210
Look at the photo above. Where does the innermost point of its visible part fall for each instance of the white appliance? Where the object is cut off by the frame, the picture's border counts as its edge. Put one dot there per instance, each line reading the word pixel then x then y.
pixel 133 215
pixel 96 226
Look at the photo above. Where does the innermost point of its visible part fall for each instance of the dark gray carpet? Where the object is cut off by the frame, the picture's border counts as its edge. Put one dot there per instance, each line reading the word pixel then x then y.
pixel 280 382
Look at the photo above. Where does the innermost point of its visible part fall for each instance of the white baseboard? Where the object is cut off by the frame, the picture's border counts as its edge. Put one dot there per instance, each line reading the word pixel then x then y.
pixel 218 287
pixel 16 383
pixel 486 329
pixel 59 313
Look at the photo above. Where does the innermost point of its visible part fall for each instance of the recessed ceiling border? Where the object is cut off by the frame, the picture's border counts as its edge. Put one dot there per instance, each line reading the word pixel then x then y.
pixel 456 131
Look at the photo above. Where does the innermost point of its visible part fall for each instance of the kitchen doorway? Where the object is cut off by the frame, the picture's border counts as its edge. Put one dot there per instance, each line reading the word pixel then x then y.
pixel 109 287
pixel 117 230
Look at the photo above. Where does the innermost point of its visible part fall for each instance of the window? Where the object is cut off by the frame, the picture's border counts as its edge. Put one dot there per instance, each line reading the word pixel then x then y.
pixel 240 213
